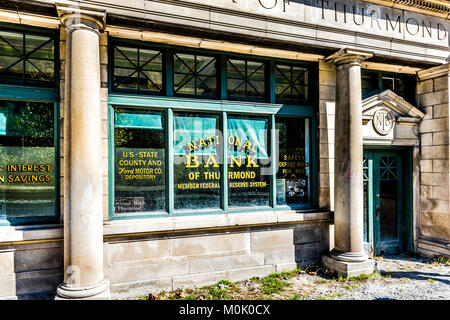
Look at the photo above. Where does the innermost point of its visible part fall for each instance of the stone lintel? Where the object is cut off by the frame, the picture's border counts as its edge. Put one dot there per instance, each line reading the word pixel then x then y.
pixel 348 269
pixel 434 72
pixel 81 17
pixel 348 55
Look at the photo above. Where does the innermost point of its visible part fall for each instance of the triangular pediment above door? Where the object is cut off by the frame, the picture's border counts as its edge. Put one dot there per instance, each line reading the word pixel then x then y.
pixel 390 100
pixel 390 119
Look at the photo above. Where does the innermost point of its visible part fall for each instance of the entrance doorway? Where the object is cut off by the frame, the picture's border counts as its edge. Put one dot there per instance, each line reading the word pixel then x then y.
pixel 387 209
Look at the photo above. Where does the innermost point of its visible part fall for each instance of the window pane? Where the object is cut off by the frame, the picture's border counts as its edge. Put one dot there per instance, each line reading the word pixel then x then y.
pixel 293 161
pixel 206 76
pixel 11 49
pixel 27 57
pixel 41 70
pixel 39 47
pixel 138 69
pixel 150 61
pixel 248 162
pixel 236 79
pixel 197 161
pixel 291 84
pixel 139 161
pixel 255 74
pixel 246 79
pixel 27 160
pixel 369 82
pixel 195 75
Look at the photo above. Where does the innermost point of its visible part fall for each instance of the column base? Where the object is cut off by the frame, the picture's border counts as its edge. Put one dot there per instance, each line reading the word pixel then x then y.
pixel 100 291
pixel 349 256
pixel 348 269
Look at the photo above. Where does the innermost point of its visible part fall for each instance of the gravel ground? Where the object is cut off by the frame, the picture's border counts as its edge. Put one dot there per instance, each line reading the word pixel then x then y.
pixel 399 277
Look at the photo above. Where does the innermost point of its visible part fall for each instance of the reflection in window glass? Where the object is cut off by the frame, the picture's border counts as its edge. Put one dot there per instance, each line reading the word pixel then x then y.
pixel 27 160
pixel 291 84
pixel 248 162
pixel 293 161
pixel 197 161
pixel 245 79
pixel 27 57
pixel 195 75
pixel 401 84
pixel 139 169
pixel 138 69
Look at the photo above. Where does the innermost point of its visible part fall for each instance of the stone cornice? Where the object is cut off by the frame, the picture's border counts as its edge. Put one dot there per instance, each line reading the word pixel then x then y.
pixel 435 72
pixel 439 8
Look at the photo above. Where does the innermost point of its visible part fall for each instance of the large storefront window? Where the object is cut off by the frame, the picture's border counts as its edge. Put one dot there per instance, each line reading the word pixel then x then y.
pixel 146 168
pixel 293 161
pixel 248 161
pixel 209 133
pixel 139 161
pixel 27 161
pixel 197 160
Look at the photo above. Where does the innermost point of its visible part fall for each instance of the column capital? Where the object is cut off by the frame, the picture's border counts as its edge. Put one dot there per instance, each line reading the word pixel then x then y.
pixel 77 17
pixel 348 55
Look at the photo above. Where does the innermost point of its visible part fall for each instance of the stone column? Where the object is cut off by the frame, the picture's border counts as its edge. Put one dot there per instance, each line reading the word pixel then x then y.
pixel 83 205
pixel 348 257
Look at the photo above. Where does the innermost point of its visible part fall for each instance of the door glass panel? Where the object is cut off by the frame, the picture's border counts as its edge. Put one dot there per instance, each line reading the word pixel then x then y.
pixel 388 198
pixel 366 198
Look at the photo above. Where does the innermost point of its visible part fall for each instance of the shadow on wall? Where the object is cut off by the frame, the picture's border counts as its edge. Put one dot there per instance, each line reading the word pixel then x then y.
pixel 38 270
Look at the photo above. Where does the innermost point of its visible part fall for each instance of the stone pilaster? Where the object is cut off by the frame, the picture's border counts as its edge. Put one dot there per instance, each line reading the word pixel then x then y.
pixel 347 256
pixel 83 174
pixel 327 102
pixel 433 223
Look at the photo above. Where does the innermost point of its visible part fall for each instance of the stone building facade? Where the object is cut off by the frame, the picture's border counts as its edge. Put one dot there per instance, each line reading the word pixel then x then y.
pixel 152 145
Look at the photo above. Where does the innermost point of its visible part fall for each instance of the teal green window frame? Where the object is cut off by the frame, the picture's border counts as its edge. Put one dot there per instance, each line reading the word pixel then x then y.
pixel 54 34
pixel 168 52
pixel 45 95
pixel 224 107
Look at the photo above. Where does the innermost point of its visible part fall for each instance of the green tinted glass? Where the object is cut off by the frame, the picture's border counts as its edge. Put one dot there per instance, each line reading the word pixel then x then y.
pixel 27 57
pixel 139 162
pixel 27 160
pixel 137 69
pixel 194 75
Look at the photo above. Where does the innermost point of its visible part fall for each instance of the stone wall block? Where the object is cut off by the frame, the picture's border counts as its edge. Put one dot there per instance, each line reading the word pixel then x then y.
pixel 228 243
pixel 425 86
pixel 139 250
pixel 226 263
pixel 306 235
pixel 269 239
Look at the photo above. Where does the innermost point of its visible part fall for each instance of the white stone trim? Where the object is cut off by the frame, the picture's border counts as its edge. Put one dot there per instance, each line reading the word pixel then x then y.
pixel 213 221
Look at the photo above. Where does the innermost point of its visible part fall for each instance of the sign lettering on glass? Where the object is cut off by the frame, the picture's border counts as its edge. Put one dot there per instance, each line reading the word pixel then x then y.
pixel 248 160
pixel 139 165
pixel 25 173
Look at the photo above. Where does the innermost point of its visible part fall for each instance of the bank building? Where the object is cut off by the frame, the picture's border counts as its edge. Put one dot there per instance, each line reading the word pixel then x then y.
pixel 151 145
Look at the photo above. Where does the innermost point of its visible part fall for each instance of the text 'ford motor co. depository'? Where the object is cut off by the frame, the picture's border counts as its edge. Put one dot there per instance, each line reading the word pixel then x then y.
pixel 150 145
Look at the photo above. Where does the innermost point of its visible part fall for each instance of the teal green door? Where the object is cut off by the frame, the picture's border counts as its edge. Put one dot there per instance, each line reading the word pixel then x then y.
pixel 384 210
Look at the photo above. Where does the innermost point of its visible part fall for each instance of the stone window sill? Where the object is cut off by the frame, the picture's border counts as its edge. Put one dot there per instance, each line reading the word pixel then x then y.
pixel 188 223
pixel 54 232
